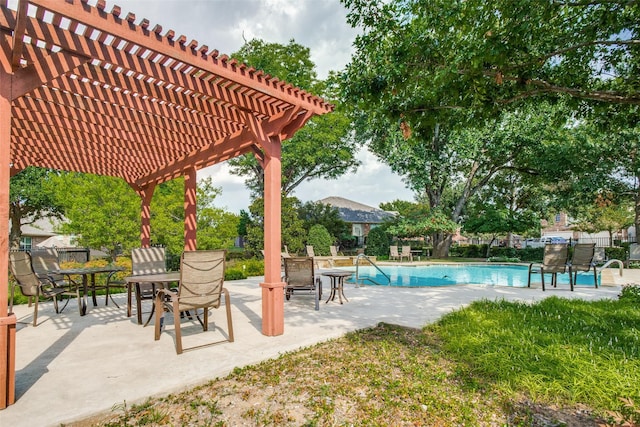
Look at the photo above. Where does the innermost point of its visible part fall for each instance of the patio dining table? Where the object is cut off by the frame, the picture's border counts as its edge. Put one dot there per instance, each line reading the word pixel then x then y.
pixel 153 279
pixel 87 272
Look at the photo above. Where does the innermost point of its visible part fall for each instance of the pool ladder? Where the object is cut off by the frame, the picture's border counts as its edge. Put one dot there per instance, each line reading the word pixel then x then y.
pixel 360 280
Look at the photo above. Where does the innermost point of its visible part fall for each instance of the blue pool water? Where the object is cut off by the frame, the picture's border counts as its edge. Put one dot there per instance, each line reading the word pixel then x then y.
pixel 457 274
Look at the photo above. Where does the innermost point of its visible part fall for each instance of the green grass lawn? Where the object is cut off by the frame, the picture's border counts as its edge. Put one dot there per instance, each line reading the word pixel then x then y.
pixel 558 362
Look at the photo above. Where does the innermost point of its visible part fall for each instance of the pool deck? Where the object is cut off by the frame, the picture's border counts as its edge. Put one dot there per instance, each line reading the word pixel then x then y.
pixel 71 367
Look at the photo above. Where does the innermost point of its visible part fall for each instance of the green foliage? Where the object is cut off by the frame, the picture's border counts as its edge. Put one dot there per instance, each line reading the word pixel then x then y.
pixel 435 222
pixel 217 228
pixel 31 197
pixel 320 239
pixel 479 251
pixel 502 259
pixel 323 148
pixel 293 232
pixel 313 213
pixel 235 273
pixel 103 212
pixel 616 253
pixel 630 293
pixel 378 242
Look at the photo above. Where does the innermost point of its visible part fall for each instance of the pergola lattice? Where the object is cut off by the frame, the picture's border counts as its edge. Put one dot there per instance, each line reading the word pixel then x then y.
pixel 88 90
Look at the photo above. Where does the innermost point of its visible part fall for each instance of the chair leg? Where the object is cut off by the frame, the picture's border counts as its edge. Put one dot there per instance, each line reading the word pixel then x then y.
pixel 138 304
pixel 542 277
pixel 227 303
pixel 35 310
pixel 176 325
pixel 595 277
pixel 205 324
pixel 159 318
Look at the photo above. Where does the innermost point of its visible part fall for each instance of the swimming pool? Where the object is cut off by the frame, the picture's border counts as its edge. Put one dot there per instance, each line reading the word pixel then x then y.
pixel 457 274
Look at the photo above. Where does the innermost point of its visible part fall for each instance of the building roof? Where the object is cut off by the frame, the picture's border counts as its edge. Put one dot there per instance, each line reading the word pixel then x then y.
pixel 355 212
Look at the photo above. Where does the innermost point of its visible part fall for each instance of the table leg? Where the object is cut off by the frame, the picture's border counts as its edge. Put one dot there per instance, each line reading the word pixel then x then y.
pixel 332 294
pixel 342 290
pixel 93 290
pixel 83 302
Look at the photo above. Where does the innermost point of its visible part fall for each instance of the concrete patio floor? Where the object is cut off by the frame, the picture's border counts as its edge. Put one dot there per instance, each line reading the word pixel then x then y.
pixel 71 367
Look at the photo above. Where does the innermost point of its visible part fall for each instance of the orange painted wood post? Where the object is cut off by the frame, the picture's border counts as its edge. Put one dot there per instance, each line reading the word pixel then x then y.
pixel 7 320
pixel 273 287
pixel 190 227
pixel 146 195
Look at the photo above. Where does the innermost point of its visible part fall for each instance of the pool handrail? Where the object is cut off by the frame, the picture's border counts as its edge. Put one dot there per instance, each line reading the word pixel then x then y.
pixel 360 256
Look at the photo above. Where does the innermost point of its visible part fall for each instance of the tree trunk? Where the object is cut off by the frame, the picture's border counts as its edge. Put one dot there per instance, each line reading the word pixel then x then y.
pixel 637 209
pixel 441 245
pixel 16 222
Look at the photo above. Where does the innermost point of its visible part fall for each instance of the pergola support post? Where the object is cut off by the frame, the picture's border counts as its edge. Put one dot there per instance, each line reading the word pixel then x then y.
pixel 273 287
pixel 146 195
pixel 7 320
pixel 190 226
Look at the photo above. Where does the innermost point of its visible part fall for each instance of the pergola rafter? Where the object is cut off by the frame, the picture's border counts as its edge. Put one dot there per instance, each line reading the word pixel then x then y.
pixel 85 89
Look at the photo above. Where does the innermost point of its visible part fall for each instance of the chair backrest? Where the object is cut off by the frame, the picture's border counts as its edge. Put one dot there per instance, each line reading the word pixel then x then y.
pixel 393 251
pixel 310 251
pixel 148 261
pixel 22 271
pixel 45 260
pixel 333 250
pixel 406 250
pixel 555 257
pixel 201 278
pixel 599 255
pixel 298 271
pixel 583 254
pixel 634 251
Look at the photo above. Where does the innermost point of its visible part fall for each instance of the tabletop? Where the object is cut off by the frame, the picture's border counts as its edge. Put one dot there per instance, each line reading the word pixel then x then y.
pixel 171 276
pixel 89 270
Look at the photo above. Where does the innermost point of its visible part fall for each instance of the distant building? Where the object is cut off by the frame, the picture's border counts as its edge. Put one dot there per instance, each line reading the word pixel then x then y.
pixel 362 218
pixel 36 233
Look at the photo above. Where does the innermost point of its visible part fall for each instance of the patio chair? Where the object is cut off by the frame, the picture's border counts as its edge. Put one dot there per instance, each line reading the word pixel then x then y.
pixel 333 250
pixel 599 256
pixel 299 275
pixel 310 252
pixel 31 285
pixel 145 261
pixel 634 254
pixel 44 262
pixel 555 260
pixel 393 252
pixel 583 260
pixel 406 253
pixel 201 287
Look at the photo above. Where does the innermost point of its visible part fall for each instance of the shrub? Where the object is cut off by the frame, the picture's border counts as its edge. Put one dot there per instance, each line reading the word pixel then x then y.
pixel 234 273
pixel 630 293
pixel 320 239
pixel 502 259
pixel 378 242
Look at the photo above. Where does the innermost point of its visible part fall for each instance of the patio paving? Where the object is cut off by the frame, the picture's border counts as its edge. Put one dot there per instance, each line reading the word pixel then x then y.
pixel 71 367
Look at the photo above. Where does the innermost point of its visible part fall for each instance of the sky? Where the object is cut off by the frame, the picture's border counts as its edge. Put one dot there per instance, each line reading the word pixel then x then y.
pixel 321 26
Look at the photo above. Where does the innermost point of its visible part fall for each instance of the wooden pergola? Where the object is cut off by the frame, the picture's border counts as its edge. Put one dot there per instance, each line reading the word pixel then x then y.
pixel 85 89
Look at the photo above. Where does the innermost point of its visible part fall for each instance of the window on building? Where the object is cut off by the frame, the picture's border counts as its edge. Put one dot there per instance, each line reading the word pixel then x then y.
pixel 557 218
pixel 25 243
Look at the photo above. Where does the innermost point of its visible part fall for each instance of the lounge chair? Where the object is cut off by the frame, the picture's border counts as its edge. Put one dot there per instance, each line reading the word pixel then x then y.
pixel 32 286
pixel 201 287
pixel 393 252
pixel 599 256
pixel 406 253
pixel 634 254
pixel 333 250
pixel 299 275
pixel 310 251
pixel 555 260
pixel 582 260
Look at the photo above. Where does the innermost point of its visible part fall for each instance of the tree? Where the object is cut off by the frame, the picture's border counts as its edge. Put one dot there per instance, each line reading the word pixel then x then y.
pixel 103 212
pixel 31 198
pixel 217 228
pixel 605 215
pixel 321 149
pixel 316 213
pixel 431 56
pixel 320 239
pixel 293 233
